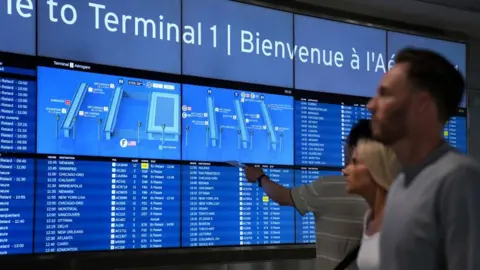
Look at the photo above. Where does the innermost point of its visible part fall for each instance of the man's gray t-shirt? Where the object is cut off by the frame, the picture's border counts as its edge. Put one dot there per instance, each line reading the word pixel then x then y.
pixel 338 218
pixel 432 215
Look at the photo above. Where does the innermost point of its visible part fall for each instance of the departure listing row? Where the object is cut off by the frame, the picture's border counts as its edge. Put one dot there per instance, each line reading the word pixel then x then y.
pixel 122 140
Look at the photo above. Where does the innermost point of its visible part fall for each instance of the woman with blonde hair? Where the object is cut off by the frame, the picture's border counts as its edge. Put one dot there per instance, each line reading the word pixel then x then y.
pixel 372 170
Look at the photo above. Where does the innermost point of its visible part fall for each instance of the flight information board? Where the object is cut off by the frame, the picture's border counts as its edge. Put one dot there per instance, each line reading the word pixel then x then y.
pixel 16 204
pixel 17 139
pixel 321 128
pixel 17 104
pixel 123 140
pixel 86 113
pixel 455 131
pixel 222 124
pixel 111 204
pixel 220 208
pixel 305 225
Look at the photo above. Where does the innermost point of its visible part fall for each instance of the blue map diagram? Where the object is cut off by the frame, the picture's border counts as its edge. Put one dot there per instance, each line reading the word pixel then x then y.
pixel 222 125
pixel 93 114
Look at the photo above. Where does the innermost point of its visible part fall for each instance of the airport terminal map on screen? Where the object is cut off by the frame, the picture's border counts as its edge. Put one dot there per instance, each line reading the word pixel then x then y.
pixel 119 122
pixel 236 125
pixel 102 115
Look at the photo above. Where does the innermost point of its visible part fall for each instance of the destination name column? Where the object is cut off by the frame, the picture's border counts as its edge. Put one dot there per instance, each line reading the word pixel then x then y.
pixel 73 205
pixel 210 210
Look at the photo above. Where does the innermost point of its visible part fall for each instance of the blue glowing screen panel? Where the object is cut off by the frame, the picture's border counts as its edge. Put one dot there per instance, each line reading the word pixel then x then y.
pixel 16 204
pixel 455 131
pixel 305 225
pixel 21 15
pixel 239 42
pixel 95 162
pixel 17 106
pixel 112 204
pixel 221 208
pixel 93 114
pixel 321 129
pixel 455 52
pixel 222 124
pixel 338 57
pixel 125 34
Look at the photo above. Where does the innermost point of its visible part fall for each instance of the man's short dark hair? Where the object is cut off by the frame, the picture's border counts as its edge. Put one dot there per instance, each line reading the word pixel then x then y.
pixel 432 72
pixel 361 130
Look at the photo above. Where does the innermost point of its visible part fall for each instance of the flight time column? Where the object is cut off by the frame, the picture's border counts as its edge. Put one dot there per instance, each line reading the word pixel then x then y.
pixel 49 187
pixel 190 203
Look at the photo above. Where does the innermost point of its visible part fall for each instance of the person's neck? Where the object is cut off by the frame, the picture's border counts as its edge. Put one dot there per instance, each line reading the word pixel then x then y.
pixel 376 201
pixel 414 150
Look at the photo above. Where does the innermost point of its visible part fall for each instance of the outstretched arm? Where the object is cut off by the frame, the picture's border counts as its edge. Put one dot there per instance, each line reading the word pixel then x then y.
pixel 274 191
pixel 304 198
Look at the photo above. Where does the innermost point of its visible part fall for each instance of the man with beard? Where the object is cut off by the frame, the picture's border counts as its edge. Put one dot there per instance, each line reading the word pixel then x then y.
pixel 432 215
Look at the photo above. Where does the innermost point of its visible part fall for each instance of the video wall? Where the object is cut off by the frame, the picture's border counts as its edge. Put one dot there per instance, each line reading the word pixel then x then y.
pixel 117 119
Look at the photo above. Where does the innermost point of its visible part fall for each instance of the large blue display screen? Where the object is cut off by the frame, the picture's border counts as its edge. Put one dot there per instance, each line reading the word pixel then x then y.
pixel 17 140
pixel 239 42
pixel 456 53
pixel 128 34
pixel 17 26
pixel 220 208
pixel 87 113
pixel 223 124
pixel 120 120
pixel 112 204
pixel 338 57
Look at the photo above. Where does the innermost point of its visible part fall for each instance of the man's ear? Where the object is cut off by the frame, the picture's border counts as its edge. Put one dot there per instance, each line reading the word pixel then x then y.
pixel 423 101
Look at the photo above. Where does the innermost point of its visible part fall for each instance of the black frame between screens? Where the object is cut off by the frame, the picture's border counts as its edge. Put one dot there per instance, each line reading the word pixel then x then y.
pixel 34 61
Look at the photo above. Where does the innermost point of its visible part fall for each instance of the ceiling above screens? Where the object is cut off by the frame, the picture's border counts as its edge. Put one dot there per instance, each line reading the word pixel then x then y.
pixel 467 5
